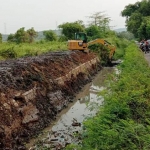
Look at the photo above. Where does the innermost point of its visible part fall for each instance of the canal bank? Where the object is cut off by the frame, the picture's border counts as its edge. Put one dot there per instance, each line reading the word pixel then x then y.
pixel 33 91
pixel 68 125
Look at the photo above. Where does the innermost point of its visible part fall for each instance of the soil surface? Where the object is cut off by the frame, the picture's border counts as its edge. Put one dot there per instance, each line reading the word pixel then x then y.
pixel 33 90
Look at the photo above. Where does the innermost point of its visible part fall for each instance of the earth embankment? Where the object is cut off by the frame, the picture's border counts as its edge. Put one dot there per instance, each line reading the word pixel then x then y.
pixel 33 90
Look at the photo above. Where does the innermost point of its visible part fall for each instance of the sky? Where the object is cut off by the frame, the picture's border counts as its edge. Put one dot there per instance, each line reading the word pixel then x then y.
pixel 48 14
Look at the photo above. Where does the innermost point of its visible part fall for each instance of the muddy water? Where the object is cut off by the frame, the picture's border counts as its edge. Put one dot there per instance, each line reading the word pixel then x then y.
pixel 69 122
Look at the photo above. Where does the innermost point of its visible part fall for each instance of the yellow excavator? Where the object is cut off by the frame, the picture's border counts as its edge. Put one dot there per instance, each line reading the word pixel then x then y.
pixel 80 43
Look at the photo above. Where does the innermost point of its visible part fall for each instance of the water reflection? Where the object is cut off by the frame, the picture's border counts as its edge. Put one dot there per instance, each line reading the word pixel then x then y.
pixel 84 106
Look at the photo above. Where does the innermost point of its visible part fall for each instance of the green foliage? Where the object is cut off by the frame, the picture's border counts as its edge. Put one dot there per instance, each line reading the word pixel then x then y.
pixel 98 26
pixel 137 18
pixel 93 32
pixel 134 23
pixel 11 38
pixel 125 34
pixel 144 6
pixel 62 38
pixel 21 36
pixel 50 35
pixel 129 9
pixel 102 51
pixel 81 23
pixel 144 29
pixel 8 53
pixel 32 49
pixel 123 121
pixel 72 147
pixel 69 29
pixel 31 34
pixel 121 44
pixel 148 28
pixel 0 38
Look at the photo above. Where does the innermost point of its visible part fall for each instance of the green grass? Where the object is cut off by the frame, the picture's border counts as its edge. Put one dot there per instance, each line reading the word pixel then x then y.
pixel 120 44
pixel 12 50
pixel 123 122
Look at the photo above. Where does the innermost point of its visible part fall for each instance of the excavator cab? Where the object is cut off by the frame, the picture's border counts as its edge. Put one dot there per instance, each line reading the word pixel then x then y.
pixel 81 36
pixel 79 42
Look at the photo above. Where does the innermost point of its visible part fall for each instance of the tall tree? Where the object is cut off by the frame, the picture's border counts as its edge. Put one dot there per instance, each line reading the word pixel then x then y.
pixel 137 18
pixel 144 7
pixel 50 35
pixel 21 35
pixel 134 23
pixel 69 29
pixel 93 32
pixel 32 34
pixel 129 9
pixel 99 19
pixel 80 22
pixel 96 18
pixel 11 38
pixel 144 29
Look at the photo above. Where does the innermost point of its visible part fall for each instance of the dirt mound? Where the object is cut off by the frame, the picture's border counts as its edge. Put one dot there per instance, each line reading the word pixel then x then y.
pixel 34 89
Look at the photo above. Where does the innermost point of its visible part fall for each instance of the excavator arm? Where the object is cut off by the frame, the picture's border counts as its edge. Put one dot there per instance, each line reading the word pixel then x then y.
pixel 112 48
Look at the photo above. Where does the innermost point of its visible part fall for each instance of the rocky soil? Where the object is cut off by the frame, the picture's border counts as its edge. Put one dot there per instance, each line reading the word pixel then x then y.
pixel 33 90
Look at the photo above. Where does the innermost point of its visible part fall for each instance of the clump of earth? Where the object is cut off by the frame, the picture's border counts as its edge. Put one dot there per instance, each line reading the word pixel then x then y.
pixel 33 90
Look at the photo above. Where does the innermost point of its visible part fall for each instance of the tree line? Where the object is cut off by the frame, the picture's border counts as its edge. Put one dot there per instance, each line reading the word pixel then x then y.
pixel 97 27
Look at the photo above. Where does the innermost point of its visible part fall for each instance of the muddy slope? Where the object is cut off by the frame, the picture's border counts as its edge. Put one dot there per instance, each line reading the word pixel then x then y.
pixel 34 89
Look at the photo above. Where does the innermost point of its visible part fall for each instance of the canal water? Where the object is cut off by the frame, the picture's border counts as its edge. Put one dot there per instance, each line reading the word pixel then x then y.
pixel 67 127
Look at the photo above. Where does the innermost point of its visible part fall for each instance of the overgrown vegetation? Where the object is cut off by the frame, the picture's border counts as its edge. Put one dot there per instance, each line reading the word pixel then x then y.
pixel 32 49
pixel 123 121
pixel 102 51
pixel 23 43
pixel 22 36
pixel 0 38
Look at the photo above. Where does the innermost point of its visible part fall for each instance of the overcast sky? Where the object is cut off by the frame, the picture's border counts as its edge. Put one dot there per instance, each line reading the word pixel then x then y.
pixel 48 14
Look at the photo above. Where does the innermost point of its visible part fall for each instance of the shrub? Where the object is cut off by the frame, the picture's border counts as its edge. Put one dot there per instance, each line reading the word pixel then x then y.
pixel 123 122
pixel 8 53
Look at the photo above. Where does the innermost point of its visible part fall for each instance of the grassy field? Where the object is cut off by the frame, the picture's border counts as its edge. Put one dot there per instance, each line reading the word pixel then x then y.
pixel 12 50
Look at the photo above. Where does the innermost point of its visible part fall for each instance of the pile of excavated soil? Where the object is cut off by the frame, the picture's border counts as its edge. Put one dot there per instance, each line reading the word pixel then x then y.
pixel 34 90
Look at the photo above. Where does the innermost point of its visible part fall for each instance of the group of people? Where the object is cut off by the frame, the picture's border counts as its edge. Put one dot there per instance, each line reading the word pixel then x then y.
pixel 145 46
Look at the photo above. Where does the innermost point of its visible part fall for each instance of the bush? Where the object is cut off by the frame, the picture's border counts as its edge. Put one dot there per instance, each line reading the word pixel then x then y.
pixel 8 53
pixel 62 38
pixel 102 51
